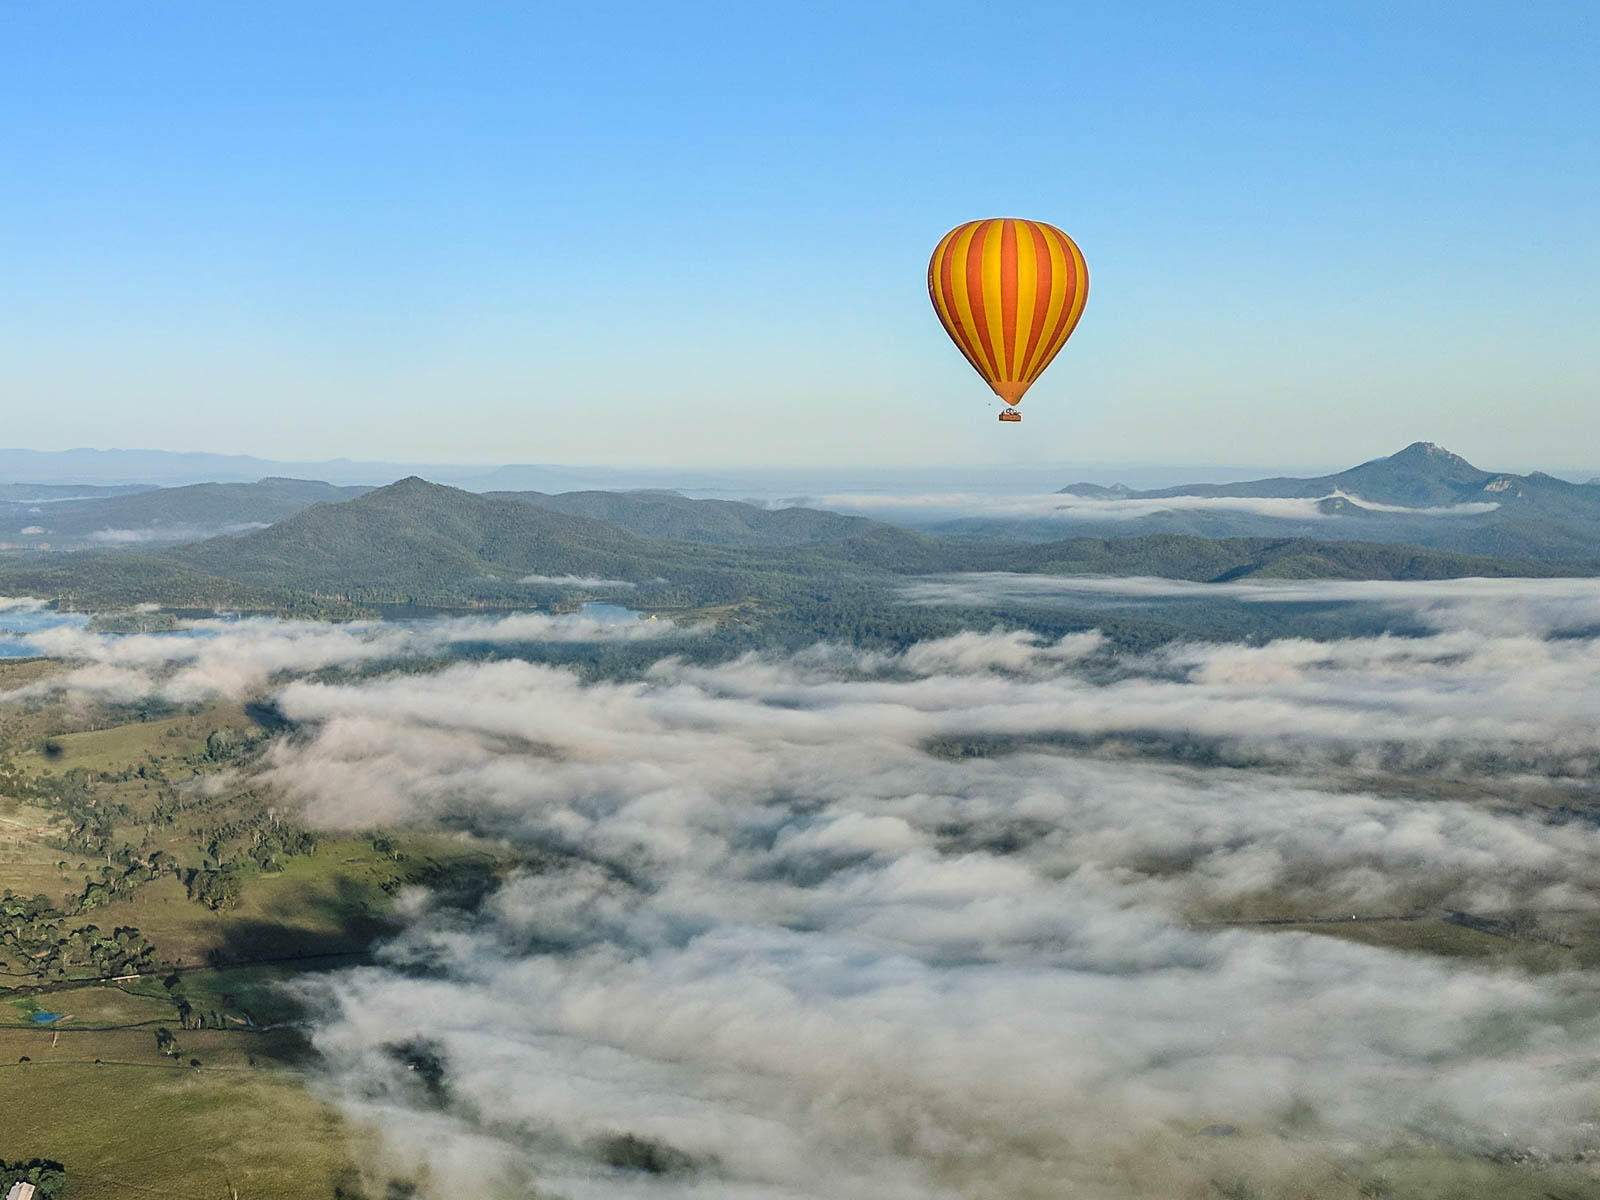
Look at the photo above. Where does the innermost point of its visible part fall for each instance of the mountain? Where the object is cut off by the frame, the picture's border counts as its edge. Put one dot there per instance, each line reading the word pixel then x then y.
pixel 709 522
pixel 1422 475
pixel 1423 495
pixel 413 538
pixel 418 539
pixel 154 516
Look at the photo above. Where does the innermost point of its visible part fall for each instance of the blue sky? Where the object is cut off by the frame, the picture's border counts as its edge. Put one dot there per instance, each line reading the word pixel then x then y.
pixel 696 234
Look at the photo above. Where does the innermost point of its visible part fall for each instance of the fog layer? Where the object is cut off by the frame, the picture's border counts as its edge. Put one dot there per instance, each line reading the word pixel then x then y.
pixel 954 921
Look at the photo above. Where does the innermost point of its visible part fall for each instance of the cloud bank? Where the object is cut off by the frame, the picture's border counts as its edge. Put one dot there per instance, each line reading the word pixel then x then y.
pixel 963 920
pixel 232 657
pixel 942 923
pixel 1065 507
pixel 578 581
pixel 1535 606
pixel 170 533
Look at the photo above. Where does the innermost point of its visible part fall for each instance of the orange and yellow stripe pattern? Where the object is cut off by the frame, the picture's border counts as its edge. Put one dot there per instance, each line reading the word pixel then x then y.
pixel 1009 293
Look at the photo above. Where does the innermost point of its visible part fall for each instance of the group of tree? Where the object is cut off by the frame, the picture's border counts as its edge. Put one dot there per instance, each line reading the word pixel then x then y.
pixel 48 1177
pixel 216 889
pixel 38 936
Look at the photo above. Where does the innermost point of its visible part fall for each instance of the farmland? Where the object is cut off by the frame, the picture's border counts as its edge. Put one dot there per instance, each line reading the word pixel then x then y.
pixel 154 905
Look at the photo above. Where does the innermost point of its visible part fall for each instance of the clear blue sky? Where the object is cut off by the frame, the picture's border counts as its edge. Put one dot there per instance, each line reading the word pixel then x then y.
pixel 696 234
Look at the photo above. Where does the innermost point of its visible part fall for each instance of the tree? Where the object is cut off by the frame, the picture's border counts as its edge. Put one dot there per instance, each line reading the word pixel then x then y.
pixel 47 1175
pixel 166 1043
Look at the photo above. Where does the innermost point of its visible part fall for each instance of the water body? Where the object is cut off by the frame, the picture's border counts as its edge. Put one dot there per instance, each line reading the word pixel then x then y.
pixel 46 1018
pixel 609 613
pixel 412 614
pixel 20 620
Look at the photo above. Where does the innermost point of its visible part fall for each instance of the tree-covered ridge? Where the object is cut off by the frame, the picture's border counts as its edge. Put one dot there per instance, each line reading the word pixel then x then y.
pixel 1223 560
pixel 422 543
pixel 712 522
pixel 99 517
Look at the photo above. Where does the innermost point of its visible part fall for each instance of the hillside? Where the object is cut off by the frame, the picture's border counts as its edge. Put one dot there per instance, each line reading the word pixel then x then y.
pixel 709 522
pixel 414 537
pixel 1222 560
pixel 156 516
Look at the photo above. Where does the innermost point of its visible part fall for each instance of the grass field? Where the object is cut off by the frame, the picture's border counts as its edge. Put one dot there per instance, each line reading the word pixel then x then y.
pixel 138 1127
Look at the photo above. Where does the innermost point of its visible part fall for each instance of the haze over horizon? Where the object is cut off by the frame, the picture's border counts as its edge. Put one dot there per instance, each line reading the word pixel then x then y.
pixel 159 467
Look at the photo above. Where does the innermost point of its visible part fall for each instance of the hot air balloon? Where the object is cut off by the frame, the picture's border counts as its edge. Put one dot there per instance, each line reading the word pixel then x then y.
pixel 1009 293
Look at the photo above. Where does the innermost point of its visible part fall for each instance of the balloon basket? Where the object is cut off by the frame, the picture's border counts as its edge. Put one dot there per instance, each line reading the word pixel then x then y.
pixel 1011 414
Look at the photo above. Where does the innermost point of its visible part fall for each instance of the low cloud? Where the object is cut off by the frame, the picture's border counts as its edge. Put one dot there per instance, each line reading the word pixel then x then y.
pixel 232 657
pixel 578 581
pixel 1066 507
pixel 1470 508
pixel 802 942
pixel 954 921
pixel 1536 606
pixel 170 533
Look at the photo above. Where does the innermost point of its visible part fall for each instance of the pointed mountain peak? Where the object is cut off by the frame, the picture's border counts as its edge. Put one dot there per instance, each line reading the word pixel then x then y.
pixel 1431 452
pixel 414 491
pixel 411 485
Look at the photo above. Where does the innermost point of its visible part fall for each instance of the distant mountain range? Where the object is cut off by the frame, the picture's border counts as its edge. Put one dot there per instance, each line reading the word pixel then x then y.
pixel 1422 475
pixel 415 542
pixel 86 468
pixel 1423 495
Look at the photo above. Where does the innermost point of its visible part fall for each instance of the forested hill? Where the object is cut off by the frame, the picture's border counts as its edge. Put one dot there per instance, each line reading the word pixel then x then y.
pixel 419 542
pixel 103 517
pixel 710 522
pixel 1221 560
pixel 415 537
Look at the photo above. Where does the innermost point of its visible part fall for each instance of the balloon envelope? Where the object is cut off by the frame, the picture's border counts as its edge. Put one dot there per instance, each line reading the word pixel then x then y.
pixel 1009 293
